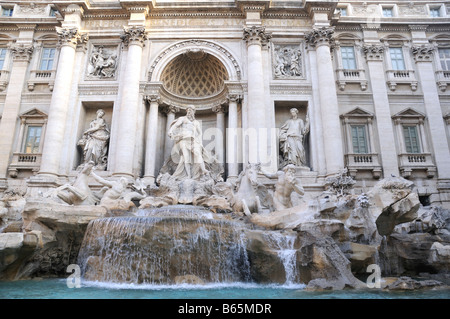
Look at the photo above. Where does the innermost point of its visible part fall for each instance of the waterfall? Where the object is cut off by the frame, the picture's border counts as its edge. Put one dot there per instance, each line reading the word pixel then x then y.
pixel 283 244
pixel 159 245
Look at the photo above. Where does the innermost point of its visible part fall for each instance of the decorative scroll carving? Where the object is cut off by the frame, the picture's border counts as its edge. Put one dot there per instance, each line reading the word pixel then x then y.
pixel 256 35
pixel 134 35
pixel 320 36
pixel 70 36
pixel 422 53
pixel 22 52
pixel 373 51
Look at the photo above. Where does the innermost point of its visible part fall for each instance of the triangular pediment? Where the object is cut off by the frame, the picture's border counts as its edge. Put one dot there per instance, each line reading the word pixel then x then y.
pixel 33 113
pixel 409 112
pixel 357 112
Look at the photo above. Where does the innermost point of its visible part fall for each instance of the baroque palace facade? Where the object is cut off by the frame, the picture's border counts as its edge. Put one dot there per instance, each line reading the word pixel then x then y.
pixel 370 81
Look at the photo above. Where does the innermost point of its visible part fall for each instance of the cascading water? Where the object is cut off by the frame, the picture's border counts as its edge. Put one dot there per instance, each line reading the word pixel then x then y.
pixel 159 245
pixel 283 244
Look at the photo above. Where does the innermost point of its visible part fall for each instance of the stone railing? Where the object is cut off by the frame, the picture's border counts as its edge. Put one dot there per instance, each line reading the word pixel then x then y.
pixel 359 162
pixel 41 77
pixel 443 79
pixel 345 76
pixel 24 161
pixel 416 161
pixel 395 77
pixel 4 78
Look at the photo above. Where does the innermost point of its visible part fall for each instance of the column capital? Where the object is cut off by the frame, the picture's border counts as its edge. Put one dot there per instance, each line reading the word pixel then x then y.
pixel 134 35
pixel 153 98
pixel 171 109
pixel 374 52
pixel 22 52
pixel 256 35
pixel 218 109
pixel 71 37
pixel 234 97
pixel 320 36
pixel 422 53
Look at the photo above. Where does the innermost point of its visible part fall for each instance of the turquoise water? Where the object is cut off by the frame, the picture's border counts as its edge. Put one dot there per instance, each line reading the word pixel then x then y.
pixel 58 289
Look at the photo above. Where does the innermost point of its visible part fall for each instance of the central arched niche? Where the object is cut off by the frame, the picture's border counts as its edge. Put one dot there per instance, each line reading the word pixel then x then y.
pixel 194 74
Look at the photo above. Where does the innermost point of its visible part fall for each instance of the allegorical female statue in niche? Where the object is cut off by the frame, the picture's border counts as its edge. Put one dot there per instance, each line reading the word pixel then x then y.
pixel 95 142
pixel 292 135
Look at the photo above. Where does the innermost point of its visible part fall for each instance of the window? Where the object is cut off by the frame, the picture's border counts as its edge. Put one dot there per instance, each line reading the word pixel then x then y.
pixel 388 12
pixel 53 12
pixel 444 57
pixel 397 61
pixel 359 139
pixel 2 58
pixel 342 11
pixel 435 12
pixel 48 55
pixel 348 58
pixel 411 139
pixel 7 12
pixel 33 139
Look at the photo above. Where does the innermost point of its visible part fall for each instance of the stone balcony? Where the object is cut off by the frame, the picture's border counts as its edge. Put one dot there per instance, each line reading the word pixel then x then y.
pixel 443 79
pixel 360 162
pixel 41 77
pixel 4 77
pixel 24 161
pixel 416 161
pixel 395 77
pixel 346 76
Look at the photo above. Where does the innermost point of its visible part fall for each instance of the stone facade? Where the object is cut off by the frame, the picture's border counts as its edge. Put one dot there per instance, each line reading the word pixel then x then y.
pixel 372 78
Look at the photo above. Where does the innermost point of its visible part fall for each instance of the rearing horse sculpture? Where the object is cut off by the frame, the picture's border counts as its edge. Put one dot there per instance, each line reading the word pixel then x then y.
pixel 246 198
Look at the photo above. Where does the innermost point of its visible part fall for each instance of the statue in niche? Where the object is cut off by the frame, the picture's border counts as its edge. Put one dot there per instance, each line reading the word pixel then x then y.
pixel 188 153
pixel 292 139
pixel 286 184
pixel 94 142
pixel 287 62
pixel 102 64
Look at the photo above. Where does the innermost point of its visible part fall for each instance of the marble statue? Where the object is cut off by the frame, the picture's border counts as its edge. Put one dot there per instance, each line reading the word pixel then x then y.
pixel 78 192
pixel 95 142
pixel 102 64
pixel 286 184
pixel 292 135
pixel 249 193
pixel 188 151
pixel 116 195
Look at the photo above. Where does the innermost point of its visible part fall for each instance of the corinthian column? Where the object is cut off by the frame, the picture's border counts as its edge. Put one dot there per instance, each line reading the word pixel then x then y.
pixel 320 39
pixel 423 55
pixel 133 38
pixel 220 134
pixel 256 37
pixel 232 136
pixel 170 110
pixel 21 57
pixel 57 117
pixel 374 57
pixel 151 139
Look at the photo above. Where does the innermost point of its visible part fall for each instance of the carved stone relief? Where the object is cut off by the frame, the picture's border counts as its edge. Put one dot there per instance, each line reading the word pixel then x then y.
pixel 103 62
pixel 287 61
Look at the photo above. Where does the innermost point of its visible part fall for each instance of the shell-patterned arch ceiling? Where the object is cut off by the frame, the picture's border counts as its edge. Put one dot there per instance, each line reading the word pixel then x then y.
pixel 194 74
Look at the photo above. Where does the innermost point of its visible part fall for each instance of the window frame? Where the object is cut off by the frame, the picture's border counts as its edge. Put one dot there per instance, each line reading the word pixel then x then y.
pixel 8 9
pixel 346 59
pixel 36 148
pixel 47 59
pixel 400 50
